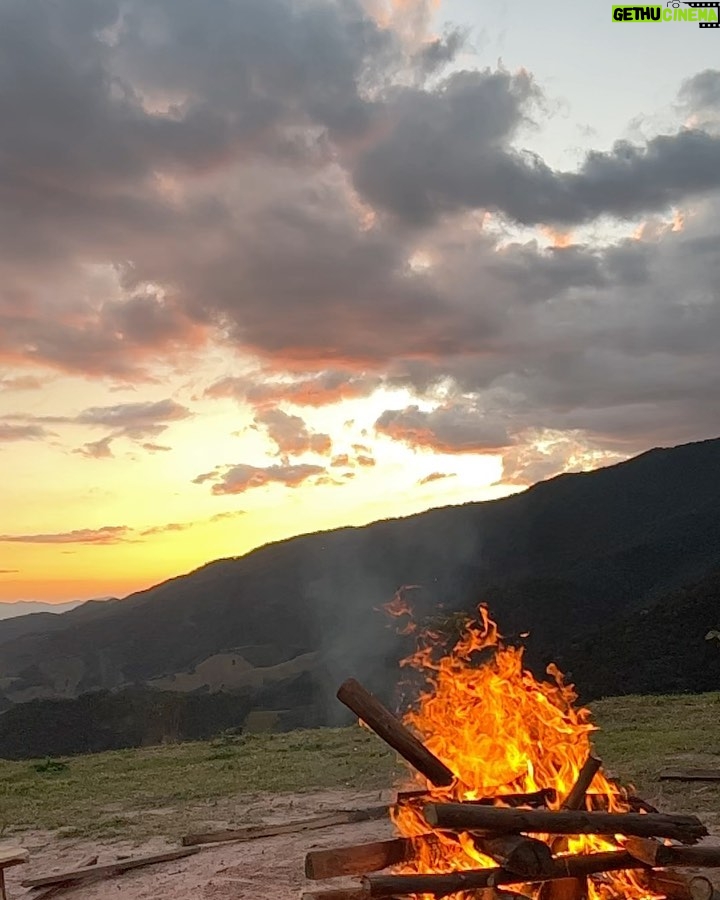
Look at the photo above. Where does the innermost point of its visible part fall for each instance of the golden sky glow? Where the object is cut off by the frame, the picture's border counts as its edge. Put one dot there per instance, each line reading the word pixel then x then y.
pixel 51 489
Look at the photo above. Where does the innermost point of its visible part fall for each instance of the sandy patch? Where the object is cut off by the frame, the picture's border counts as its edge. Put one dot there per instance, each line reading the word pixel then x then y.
pixel 264 869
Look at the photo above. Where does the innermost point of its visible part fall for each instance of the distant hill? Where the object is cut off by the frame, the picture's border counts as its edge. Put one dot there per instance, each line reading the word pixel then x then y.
pixel 570 560
pixel 29 607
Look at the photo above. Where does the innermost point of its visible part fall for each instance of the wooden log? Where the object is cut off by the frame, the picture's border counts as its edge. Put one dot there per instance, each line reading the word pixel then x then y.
pixel 393 732
pixel 108 871
pixel 252 832
pixel 498 820
pixel 531 798
pixel 681 886
pixel 578 866
pixel 655 854
pixel 576 798
pixel 689 775
pixel 571 888
pixel 517 853
pixel 362 858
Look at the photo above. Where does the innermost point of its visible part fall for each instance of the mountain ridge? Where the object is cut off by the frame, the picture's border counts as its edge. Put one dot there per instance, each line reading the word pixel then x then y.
pixel 562 559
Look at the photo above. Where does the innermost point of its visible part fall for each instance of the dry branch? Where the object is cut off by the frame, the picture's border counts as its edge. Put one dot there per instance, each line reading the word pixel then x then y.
pixel 13 856
pixel 578 866
pixel 654 854
pixel 679 886
pixel 498 820
pixel 75 875
pixel 252 832
pixel 690 775
pixel 393 732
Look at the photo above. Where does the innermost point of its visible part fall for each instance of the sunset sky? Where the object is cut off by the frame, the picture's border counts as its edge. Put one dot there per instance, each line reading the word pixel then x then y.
pixel 275 266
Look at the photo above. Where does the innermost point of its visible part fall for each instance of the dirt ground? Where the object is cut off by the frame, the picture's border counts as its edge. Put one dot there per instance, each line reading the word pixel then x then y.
pixel 263 869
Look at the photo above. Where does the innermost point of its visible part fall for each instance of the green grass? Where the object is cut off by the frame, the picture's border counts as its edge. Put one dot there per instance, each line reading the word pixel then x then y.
pixel 135 793
pixel 641 735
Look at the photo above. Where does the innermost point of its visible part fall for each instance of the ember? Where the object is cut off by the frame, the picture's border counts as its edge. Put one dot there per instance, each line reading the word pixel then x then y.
pixel 508 792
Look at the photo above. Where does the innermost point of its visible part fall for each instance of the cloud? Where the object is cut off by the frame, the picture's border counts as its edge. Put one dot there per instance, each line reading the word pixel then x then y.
pixel 291 434
pixel 317 389
pixel 100 449
pixel 241 478
pixel 699 96
pixel 436 476
pixel 109 534
pixel 9 571
pixel 163 529
pixel 10 433
pixel 454 428
pixel 155 448
pixel 232 514
pixel 302 184
pixel 450 149
pixel 550 454
pixel 22 383
pixel 136 420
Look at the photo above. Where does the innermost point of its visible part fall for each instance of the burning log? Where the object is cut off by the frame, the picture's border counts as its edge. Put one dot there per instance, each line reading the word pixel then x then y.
pixel 576 798
pixel 499 820
pixel 518 854
pixel 530 798
pixel 578 866
pixel 678 886
pixel 572 888
pixel 364 858
pixel 393 732
pixel 655 854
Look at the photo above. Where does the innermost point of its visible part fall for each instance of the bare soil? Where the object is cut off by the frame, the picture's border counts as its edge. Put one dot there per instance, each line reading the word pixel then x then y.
pixel 263 869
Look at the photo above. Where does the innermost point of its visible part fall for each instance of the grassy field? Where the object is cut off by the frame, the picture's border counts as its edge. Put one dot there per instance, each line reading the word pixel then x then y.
pixel 109 794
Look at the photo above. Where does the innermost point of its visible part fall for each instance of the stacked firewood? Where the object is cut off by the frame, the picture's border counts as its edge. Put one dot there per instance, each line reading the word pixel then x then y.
pixel 646 841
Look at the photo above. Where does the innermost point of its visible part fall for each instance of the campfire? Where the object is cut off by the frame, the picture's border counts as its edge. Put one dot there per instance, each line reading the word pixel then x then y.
pixel 508 798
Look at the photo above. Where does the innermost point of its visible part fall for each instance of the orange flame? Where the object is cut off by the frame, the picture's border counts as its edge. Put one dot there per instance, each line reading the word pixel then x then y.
pixel 502 731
